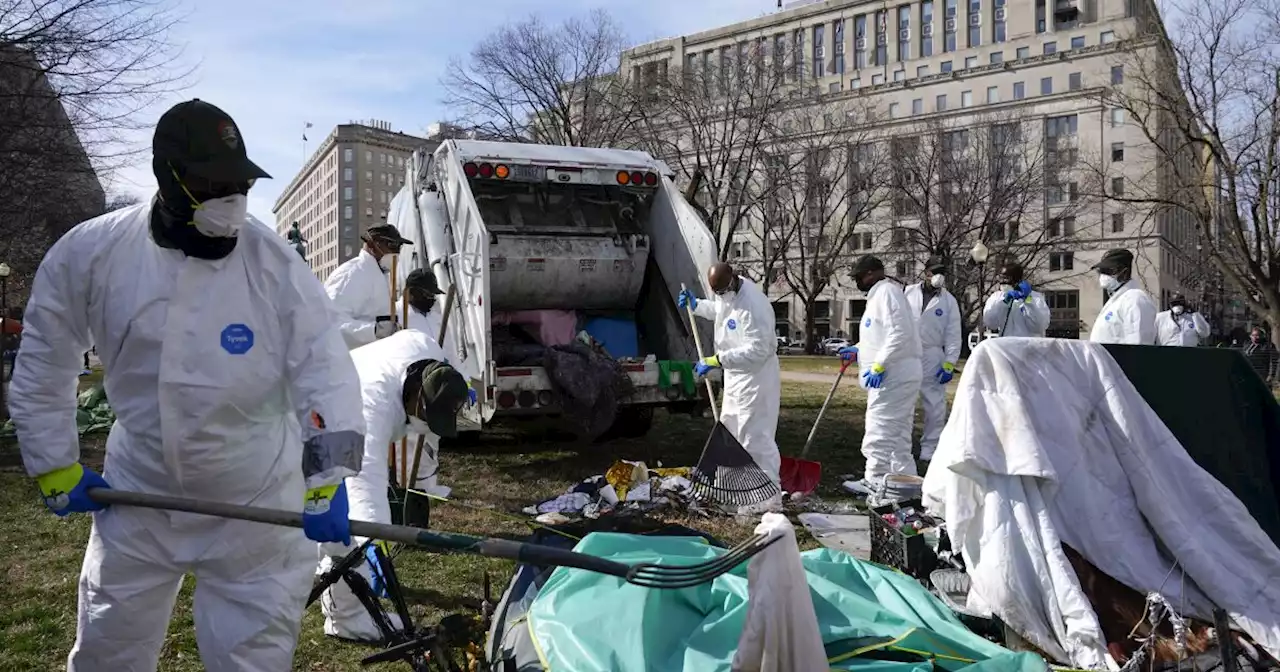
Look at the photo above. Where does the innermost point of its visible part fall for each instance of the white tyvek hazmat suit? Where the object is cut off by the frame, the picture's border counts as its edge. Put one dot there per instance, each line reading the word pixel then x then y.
pixel 429 324
pixel 381 366
pixel 889 337
pixel 748 352
pixel 1183 330
pixel 1129 316
pixel 939 329
pixel 360 292
pixel 1029 317
pixel 249 399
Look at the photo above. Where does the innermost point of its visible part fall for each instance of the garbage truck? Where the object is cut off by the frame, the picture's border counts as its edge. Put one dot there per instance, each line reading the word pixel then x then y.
pixel 552 252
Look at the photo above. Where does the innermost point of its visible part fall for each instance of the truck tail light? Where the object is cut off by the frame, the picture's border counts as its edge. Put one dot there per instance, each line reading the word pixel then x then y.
pixel 650 179
pixel 470 169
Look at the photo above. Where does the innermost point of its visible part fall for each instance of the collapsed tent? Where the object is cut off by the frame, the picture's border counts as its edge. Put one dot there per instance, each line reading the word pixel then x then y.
pixel 1050 445
pixel 870 617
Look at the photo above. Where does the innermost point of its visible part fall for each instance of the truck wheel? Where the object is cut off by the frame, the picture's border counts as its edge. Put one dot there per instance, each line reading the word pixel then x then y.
pixel 632 422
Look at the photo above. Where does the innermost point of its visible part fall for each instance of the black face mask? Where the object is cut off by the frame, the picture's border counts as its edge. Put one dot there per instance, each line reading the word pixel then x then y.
pixel 172 211
pixel 864 282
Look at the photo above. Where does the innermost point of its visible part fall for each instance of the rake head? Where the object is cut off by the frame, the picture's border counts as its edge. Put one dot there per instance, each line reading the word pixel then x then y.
pixel 650 575
pixel 726 473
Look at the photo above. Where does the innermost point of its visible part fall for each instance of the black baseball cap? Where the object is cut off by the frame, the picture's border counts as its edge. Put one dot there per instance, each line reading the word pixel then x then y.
pixel 444 391
pixel 205 142
pixel 868 263
pixel 1114 260
pixel 936 264
pixel 422 280
pixel 387 234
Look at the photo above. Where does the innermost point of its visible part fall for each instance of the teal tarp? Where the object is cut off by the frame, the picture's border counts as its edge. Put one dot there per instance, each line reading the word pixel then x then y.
pixel 584 622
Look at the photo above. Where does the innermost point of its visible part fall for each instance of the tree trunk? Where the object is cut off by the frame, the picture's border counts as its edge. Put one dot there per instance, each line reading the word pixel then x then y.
pixel 811 327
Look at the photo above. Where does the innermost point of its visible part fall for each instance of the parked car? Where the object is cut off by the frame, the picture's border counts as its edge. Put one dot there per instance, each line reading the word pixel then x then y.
pixel 973 338
pixel 832 346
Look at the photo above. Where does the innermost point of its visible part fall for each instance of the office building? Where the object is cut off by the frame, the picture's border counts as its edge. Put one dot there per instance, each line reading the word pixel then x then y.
pixel 345 187
pixel 1046 63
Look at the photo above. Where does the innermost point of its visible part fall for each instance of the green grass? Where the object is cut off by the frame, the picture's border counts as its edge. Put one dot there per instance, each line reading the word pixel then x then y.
pixel 41 553
pixel 810 364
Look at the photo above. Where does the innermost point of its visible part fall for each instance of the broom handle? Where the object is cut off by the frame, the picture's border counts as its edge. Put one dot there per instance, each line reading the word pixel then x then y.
pixel 402 455
pixel 844 365
pixel 697 343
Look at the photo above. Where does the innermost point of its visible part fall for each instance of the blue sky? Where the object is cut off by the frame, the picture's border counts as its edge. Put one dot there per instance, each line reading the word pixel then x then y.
pixel 276 64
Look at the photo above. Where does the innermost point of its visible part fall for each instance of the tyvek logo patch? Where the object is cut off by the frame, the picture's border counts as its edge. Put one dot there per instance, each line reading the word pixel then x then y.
pixel 1107 317
pixel 237 339
pixel 867 323
pixel 732 324
pixel 938 312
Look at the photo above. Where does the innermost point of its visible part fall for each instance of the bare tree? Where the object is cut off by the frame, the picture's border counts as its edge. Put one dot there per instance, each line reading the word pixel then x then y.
pixel 1205 99
pixel 534 82
pixel 74 75
pixel 830 181
pixel 709 121
pixel 996 179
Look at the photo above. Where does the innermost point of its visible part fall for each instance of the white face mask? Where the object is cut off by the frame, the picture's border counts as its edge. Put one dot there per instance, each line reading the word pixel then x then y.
pixel 1108 282
pixel 417 426
pixel 1177 310
pixel 385 262
pixel 938 281
pixel 222 217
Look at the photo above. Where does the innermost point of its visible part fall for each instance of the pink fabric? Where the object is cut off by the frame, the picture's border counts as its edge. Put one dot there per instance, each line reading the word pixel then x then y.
pixel 550 327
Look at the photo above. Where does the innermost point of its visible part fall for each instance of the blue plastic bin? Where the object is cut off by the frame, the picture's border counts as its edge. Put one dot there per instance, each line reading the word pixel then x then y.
pixel 618 335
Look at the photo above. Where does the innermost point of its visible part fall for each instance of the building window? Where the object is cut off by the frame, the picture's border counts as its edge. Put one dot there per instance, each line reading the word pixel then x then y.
pixel 1117 74
pixel 819 46
pixel 946 67
pixel 1117 186
pixel 975 23
pixel 882 40
pixel 926 28
pixel 917 106
pixel 346 212
pixel 1117 152
pixel 348 193
pixel 798 50
pixel 1040 16
pixel 893 110
pixel 779 54
pixel 1117 222
pixel 1106 37
pixel 1117 117
pixel 966 99
pixel 347 175
pixel 1023 52
pixel 1073 81
pixel 877 79
pixel 940 104
pixel 368 157
pixel 993 94
pixel 860 43
pixel 949 27
pixel 1046 86
pixel 997 57
pixel 368 194
pixel 348 155
pixel 999 33
pixel 1050 48
pixel 833 87
pixel 904 33
pixel 922 71
pixel 971 62
pixel 1077 42
pixel 855 83
pixel 1061 261
pixel 1062 227
pixel 368 176
pixel 899 75
pixel 1019 90
pixel 837 33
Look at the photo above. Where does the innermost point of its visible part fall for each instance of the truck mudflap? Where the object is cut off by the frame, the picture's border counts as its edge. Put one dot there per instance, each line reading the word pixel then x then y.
pixel 528 390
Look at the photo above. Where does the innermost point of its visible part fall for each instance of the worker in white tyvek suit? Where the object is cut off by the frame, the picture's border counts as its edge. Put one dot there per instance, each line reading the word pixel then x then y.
pixel 1015 309
pixel 1129 315
pixel 406 386
pixel 1181 325
pixel 889 354
pixel 747 350
pixel 360 287
pixel 938 321
pixel 249 399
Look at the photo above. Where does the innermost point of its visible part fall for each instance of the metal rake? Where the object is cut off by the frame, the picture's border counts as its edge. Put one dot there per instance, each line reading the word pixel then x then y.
pixel 647 575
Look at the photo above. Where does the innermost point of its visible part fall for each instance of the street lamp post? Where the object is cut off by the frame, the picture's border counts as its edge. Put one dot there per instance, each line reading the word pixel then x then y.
pixel 4 315
pixel 979 254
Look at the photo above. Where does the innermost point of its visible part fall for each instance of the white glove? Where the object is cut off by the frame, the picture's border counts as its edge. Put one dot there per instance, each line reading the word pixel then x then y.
pixel 384 328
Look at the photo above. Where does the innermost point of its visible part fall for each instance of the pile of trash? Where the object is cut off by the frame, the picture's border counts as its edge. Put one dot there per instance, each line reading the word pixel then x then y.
pixel 910 521
pixel 93 413
pixel 627 486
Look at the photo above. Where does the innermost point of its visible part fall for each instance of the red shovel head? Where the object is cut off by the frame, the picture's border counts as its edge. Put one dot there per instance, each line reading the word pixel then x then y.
pixel 800 476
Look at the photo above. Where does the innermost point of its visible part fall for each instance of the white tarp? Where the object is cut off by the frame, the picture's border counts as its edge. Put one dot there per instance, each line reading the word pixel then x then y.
pixel 1048 442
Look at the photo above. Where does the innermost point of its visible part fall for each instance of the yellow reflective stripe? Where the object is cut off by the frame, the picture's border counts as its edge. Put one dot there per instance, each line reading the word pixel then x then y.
pixel 60 480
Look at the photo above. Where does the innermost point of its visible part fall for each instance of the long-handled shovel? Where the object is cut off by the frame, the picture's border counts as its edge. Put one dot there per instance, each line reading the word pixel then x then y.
pixel 647 575
pixel 801 475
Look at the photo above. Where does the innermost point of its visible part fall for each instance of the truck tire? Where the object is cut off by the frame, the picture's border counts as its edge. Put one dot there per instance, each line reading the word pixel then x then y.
pixel 632 422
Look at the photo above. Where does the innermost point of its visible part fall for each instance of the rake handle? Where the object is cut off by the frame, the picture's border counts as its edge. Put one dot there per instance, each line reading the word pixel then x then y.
pixel 440 542
pixel 844 366
pixel 697 343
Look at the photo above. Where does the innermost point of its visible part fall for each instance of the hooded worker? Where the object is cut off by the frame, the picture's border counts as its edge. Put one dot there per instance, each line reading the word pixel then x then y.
pixel 939 328
pixel 250 399
pixel 889 354
pixel 406 386
pixel 1129 315
pixel 1015 309
pixel 746 348
pixel 360 290
pixel 1180 325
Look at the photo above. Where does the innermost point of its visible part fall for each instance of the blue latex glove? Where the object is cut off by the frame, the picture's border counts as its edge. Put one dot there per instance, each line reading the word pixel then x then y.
pixel 873 377
pixel 1019 292
pixel 687 299
pixel 471 396
pixel 848 353
pixel 325 514
pixel 66 490
pixel 701 368
pixel 945 373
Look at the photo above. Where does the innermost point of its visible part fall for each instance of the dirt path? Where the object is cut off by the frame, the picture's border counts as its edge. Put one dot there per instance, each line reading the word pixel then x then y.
pixel 804 377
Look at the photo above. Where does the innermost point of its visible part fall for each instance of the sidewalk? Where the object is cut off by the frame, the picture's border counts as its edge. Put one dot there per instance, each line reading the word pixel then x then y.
pixel 804 377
